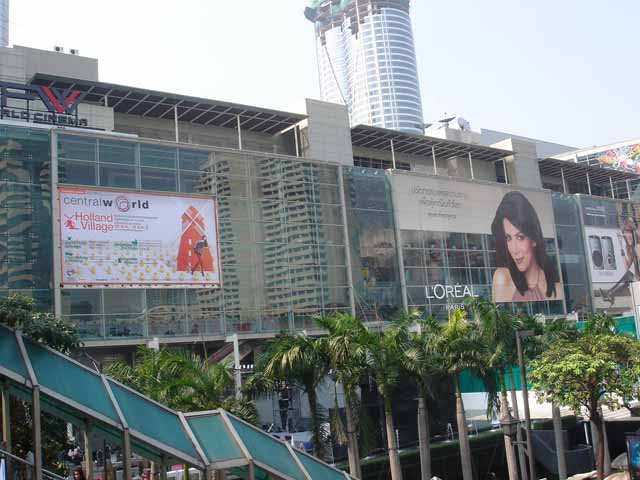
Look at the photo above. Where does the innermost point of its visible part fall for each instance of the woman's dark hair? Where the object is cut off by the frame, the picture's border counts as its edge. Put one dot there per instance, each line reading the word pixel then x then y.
pixel 516 208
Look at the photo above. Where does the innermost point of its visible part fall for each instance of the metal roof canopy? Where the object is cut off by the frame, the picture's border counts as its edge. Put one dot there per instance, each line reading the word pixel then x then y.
pixel 413 144
pixel 573 171
pixel 154 104
pixel 81 395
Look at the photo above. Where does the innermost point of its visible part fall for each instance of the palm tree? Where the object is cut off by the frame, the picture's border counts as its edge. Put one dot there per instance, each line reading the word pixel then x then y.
pixel 384 355
pixel 301 361
pixel 422 362
pixel 183 381
pixel 347 359
pixel 498 329
pixel 460 347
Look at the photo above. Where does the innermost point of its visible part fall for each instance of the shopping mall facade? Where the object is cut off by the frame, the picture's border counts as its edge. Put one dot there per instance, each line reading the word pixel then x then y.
pixel 110 197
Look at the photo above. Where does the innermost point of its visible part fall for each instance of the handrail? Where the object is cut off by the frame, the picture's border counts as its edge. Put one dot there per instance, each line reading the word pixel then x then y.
pixel 47 473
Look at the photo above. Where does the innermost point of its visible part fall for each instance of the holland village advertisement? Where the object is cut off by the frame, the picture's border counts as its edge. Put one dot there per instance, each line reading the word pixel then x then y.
pixel 116 238
pixel 517 223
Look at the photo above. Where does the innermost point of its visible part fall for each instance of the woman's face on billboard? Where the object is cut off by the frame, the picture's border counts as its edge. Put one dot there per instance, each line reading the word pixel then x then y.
pixel 520 247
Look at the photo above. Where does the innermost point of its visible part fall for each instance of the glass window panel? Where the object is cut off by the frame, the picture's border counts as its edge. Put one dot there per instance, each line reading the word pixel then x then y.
pixel 299 192
pixel 327 214
pixel 227 163
pixel 267 188
pixel 455 241
pixel 269 232
pixel 16 195
pixel 197 160
pixel 194 182
pixel 117 176
pixel 437 276
pixel 267 210
pixel 236 209
pixel 203 303
pixel 458 275
pixel 479 276
pixel 416 295
pixel 302 233
pixel 81 302
pixel 433 240
pixel 413 258
pixel 331 234
pixel 123 300
pixel 434 258
pixel 335 297
pixel 154 156
pixel 80 173
pixel 158 179
pixel 327 194
pixel 274 321
pixel 232 186
pixel 333 254
pixel 334 276
pixel 476 259
pixel 474 241
pixel 415 276
pixel 412 238
pixel 326 174
pixel 265 167
pixel 456 259
pixel 77 148
pixel 89 326
pixel 117 152
pixel 124 325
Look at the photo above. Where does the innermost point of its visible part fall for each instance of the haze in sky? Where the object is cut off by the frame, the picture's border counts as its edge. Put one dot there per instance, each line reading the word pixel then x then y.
pixel 564 71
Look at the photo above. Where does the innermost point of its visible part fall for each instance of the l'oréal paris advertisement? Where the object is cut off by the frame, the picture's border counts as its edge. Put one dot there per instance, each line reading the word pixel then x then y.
pixel 116 238
pixel 612 235
pixel 518 220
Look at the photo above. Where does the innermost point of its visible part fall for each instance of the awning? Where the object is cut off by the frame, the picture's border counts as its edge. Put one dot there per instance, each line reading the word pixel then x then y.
pixel 413 144
pixel 217 439
pixel 154 104
pixel 572 171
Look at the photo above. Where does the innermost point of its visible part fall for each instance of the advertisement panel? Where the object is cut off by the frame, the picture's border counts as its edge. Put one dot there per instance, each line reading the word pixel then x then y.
pixel 517 224
pixel 126 239
pixel 612 236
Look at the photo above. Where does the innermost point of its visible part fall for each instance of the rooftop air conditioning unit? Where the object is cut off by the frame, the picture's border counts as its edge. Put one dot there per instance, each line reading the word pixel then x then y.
pixel 74 51
pixel 58 49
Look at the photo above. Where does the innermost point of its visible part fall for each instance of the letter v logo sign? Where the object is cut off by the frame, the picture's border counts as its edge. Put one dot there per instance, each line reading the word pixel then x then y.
pixel 65 102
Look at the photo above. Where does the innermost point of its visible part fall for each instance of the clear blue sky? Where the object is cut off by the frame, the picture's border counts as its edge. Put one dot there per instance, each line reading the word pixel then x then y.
pixel 561 70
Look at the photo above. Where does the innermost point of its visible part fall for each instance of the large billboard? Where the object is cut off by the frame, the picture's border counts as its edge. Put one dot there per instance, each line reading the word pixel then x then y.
pixel 131 239
pixel 612 235
pixel 518 222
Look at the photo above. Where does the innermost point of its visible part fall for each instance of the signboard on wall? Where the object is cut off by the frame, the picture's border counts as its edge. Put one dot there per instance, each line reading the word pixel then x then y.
pixel 132 239
pixel 612 235
pixel 518 221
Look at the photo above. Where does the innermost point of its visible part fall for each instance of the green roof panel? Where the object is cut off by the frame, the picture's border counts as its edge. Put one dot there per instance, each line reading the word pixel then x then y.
pixel 267 450
pixel 71 380
pixel 10 357
pixel 152 420
pixel 317 469
pixel 214 438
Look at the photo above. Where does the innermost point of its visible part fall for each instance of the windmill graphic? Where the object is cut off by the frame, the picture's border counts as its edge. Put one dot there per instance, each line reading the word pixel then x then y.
pixel 194 253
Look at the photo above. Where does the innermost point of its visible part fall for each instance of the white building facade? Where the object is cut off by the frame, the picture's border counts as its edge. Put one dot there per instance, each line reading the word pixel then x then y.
pixel 366 60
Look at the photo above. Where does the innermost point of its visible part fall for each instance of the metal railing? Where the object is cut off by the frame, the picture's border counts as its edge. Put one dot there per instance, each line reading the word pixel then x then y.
pixel 21 473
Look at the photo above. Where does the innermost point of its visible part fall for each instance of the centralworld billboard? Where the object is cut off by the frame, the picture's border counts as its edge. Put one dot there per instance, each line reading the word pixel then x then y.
pixel 116 239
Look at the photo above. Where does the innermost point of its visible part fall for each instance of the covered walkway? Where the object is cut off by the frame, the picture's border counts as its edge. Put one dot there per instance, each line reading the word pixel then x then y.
pixel 211 442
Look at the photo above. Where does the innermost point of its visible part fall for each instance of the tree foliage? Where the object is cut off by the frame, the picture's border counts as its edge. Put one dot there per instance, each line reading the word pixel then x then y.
pixel 184 381
pixel 18 311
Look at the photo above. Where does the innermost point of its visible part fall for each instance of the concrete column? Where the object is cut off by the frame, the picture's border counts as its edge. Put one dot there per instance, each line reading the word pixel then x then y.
pixel 88 453
pixel 126 454
pixel 37 433
pixel 6 423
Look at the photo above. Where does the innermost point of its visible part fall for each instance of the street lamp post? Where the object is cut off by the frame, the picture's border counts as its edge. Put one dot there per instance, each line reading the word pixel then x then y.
pixel 525 394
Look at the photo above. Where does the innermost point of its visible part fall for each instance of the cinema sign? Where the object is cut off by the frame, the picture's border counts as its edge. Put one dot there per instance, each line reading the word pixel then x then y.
pixel 60 106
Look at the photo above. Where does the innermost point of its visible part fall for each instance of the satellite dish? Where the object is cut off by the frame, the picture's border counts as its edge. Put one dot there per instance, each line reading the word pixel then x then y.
pixel 464 124
pixel 445 121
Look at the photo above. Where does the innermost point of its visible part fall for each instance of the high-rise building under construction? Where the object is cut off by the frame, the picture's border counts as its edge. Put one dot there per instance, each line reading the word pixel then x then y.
pixel 366 60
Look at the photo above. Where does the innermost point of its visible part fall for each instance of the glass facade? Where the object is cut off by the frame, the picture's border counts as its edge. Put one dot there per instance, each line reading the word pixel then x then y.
pixel 376 280
pixel 25 214
pixel 281 240
pixel 572 257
